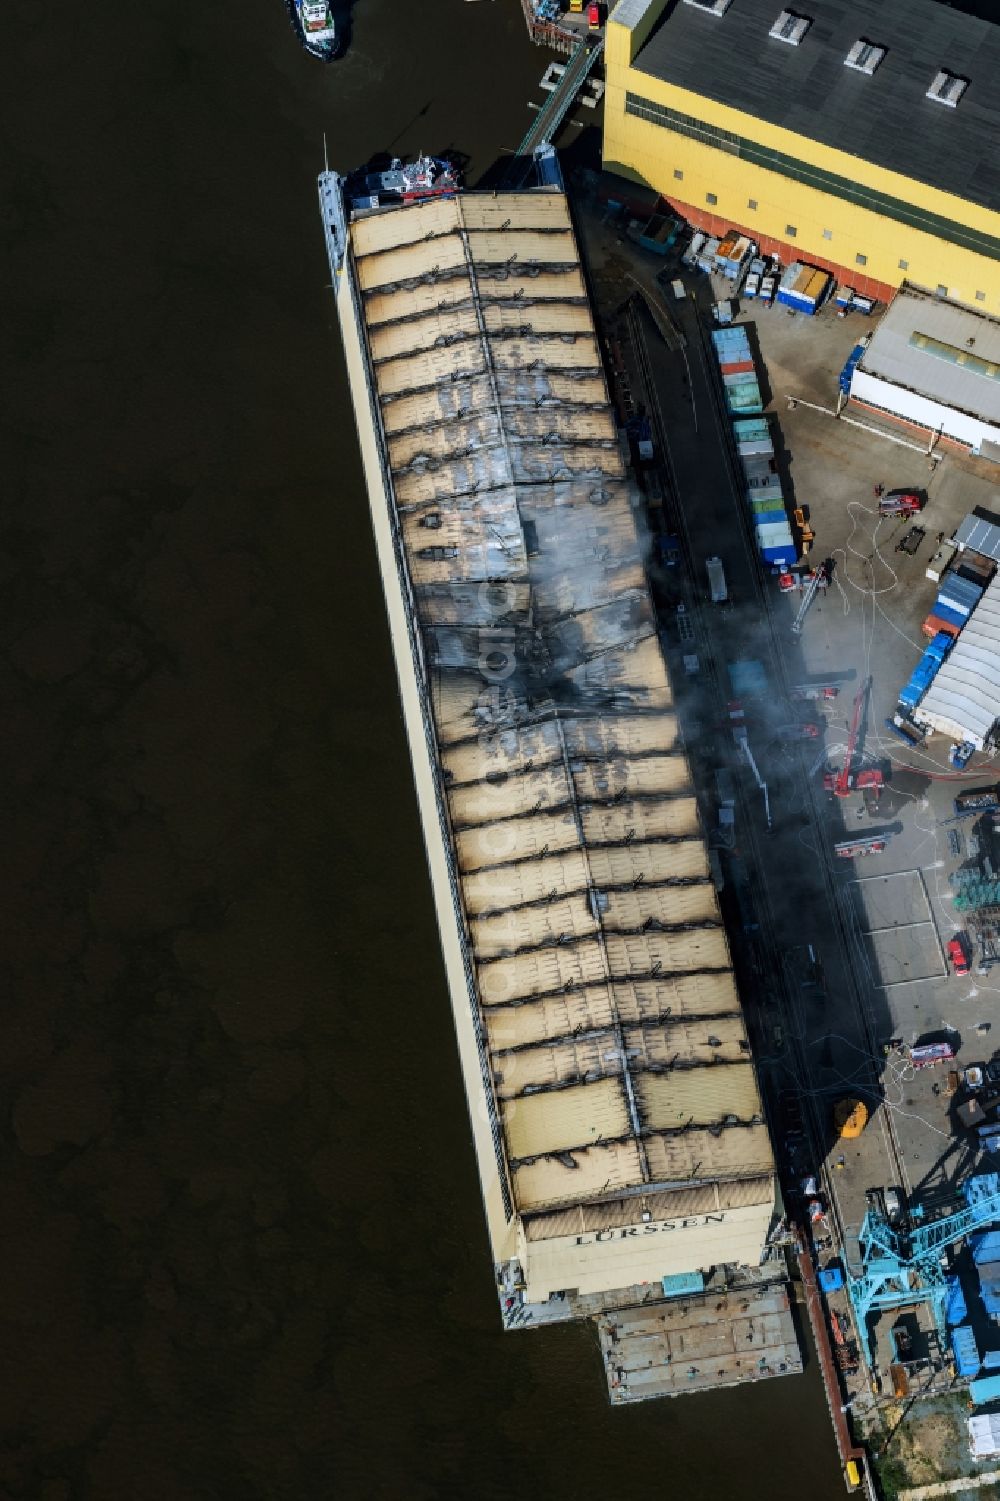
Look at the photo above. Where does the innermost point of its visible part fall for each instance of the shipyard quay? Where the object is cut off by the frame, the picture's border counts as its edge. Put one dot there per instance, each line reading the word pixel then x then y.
pixel 612 1095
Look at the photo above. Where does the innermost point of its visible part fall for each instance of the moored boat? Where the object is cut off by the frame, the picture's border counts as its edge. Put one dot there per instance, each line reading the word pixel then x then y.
pixel 402 182
pixel 315 27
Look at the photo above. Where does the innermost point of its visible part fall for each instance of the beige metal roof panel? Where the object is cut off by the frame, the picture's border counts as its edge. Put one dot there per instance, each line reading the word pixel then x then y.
pixel 743 1152
pixel 418 334
pixel 525 210
pixel 687 995
pixel 481 472
pixel 546 354
pixel 669 818
pixel 403 225
pixel 648 864
pixel 670 905
pixel 557 1064
pixel 600 1170
pixel 442 441
pixel 582 1115
pixel 741 1192
pixel 551 387
pixel 559 318
pixel 511 886
pixel 437 404
pixel 699 949
pixel 702 1096
pixel 455 699
pixel 553 284
pixel 515 839
pixel 622 734
pixel 541 972
pixel 641 777
pixel 503 753
pixel 723 1039
pixel 680 1203
pixel 530 792
pixel 551 922
pixel 575 1011
pixel 491 248
pixel 389 305
pixel 536 464
pixel 571 424
pixel 423 260
pixel 432 368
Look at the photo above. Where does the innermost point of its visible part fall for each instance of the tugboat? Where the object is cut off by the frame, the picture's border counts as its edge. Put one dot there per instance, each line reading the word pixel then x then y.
pixel 402 182
pixel 314 27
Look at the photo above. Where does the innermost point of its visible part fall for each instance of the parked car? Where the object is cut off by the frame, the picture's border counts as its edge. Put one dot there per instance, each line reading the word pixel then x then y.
pixel 768 287
pixel 958 953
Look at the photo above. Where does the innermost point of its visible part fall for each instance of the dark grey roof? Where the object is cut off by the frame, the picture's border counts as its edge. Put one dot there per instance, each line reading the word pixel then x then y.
pixel 884 118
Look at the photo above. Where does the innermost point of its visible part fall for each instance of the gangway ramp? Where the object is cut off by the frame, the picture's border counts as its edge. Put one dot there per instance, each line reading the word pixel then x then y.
pixel 556 107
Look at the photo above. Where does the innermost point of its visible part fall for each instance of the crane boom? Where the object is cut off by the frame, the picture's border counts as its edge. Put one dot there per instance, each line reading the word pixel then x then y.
pixel 842 785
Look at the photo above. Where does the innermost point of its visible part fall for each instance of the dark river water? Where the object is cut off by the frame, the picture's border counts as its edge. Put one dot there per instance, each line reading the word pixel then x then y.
pixel 241 1246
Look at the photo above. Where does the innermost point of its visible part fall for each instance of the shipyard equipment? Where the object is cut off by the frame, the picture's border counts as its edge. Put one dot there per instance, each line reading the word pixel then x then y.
pixel 902 1267
pixel 816 583
pixel 845 781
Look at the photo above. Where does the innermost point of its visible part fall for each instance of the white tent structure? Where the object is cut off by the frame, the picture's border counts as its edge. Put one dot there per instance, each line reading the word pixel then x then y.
pixel 984 1435
pixel 963 701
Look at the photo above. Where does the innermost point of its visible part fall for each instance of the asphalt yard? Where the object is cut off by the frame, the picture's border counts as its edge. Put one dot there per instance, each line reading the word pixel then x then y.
pixel 850 954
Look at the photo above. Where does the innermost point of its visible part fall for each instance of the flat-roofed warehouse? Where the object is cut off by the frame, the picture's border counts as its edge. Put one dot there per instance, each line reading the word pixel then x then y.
pixel 859 137
pixel 614 1103
pixel 934 366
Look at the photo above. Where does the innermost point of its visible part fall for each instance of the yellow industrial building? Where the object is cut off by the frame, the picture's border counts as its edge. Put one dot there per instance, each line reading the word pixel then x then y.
pixel 862 138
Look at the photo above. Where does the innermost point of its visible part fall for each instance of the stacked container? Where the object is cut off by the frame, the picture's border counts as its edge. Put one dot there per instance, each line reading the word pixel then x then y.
pixel 957 598
pixel 754 446
pixel 803 287
pixel 732 350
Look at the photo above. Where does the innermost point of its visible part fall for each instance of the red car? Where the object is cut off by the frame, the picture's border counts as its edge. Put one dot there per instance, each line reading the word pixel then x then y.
pixel 958 953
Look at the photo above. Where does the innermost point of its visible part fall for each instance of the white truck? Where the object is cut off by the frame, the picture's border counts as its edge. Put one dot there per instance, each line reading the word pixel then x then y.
pixel 716 580
pixel 751 287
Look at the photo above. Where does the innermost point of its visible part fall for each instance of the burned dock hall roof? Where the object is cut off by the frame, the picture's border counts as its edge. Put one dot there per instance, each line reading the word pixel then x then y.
pixel 617 1048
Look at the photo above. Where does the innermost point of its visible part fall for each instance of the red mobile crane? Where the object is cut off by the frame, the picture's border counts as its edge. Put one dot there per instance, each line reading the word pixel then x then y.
pixel 845 781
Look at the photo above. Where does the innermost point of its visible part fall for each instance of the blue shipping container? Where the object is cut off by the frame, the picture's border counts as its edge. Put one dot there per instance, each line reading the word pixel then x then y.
pixel 945 612
pixel 986 1389
pixel 955 1309
pixel 985 1247
pixel 963 1342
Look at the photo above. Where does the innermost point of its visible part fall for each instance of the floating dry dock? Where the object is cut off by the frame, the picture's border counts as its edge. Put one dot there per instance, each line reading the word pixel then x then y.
pixel 613 1100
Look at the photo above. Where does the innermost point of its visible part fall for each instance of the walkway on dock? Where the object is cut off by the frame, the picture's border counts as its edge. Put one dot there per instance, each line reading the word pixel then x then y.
pixel 559 102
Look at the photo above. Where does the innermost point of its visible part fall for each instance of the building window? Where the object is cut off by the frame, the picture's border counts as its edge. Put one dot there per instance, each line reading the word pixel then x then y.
pixel 711 198
pixel 980 296
pixel 751 203
pixel 904 265
pixel 678 174
pixel 861 260
pixel 791 231
pixel 797 170
pixel 828 234
pixel 942 291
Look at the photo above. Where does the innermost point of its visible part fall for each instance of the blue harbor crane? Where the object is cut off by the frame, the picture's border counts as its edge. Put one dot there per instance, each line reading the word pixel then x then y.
pixel 901 1267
